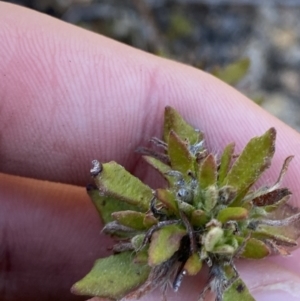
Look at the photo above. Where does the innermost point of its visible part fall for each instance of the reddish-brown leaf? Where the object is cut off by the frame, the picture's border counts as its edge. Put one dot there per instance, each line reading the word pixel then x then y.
pixel 271 197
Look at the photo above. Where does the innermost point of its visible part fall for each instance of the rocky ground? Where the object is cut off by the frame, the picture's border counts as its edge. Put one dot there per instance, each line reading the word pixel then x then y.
pixel 194 32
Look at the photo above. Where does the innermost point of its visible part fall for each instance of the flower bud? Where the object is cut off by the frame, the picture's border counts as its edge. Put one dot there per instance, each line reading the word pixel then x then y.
pixel 212 238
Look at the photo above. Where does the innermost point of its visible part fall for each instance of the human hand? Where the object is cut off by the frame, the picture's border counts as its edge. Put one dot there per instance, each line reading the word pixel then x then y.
pixel 68 96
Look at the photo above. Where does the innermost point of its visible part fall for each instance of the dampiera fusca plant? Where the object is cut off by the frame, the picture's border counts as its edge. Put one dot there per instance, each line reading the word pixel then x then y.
pixel 209 214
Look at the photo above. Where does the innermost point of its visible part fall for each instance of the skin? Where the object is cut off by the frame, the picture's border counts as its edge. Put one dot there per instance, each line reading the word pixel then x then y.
pixel 68 96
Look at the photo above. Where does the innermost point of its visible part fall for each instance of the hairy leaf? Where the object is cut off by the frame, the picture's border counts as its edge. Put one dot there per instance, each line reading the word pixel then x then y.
pixel 255 158
pixel 254 248
pixel 232 214
pixel 112 277
pixel 237 291
pixel 137 241
pixel 106 205
pixel 225 162
pixel 271 233
pixel 179 154
pixel 161 167
pixel 164 243
pixel 208 172
pixel 173 121
pixel 118 183
pixel 149 220
pixel 168 199
pixel 193 265
pixel 132 219
pixel 211 198
pixel 199 218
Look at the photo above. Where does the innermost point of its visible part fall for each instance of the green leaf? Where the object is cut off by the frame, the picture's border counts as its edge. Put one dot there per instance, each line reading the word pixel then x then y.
pixel 173 121
pixel 112 277
pixel 274 234
pixel 115 181
pixel 186 208
pixel 179 154
pixel 132 219
pixel 233 73
pixel 253 161
pixel 106 205
pixel 199 218
pixel 150 220
pixel 137 241
pixel 237 291
pixel 193 265
pixel 232 214
pixel 225 162
pixel 141 257
pixel 168 199
pixel 164 243
pixel 211 198
pixel 207 175
pixel 254 248
pixel 161 167
pixel 224 250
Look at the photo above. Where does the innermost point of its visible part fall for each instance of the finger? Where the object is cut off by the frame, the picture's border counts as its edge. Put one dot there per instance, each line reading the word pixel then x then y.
pixel 69 96
pixel 50 238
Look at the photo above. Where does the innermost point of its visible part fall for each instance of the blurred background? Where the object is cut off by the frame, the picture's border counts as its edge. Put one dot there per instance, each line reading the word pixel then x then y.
pixel 215 35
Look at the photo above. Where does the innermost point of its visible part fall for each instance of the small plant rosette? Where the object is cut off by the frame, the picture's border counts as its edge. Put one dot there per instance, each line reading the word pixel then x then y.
pixel 209 214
